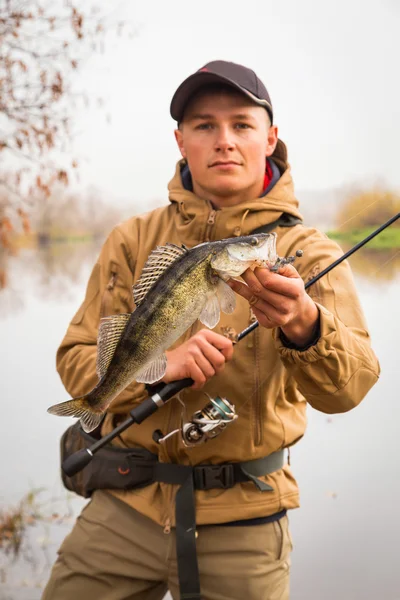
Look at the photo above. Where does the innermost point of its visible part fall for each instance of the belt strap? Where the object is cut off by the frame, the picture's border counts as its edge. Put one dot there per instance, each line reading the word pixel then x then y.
pixel 205 477
pixel 185 516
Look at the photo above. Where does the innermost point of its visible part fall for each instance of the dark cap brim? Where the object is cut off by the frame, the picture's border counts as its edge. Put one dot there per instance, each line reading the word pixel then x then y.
pixel 198 80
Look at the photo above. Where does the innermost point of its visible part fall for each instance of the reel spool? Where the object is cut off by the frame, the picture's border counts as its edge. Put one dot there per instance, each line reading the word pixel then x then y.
pixel 204 424
pixel 209 422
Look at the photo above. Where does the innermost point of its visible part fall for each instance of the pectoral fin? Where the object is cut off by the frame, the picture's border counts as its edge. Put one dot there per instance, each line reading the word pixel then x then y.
pixel 226 297
pixel 153 371
pixel 210 314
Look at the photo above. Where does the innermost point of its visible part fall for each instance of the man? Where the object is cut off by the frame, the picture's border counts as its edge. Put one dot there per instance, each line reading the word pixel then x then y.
pixel 233 179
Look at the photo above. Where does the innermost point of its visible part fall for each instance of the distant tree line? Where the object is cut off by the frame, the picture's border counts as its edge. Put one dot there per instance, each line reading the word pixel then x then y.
pixel 367 209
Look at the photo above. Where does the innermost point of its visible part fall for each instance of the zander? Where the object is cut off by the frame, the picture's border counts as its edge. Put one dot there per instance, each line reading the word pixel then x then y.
pixel 176 287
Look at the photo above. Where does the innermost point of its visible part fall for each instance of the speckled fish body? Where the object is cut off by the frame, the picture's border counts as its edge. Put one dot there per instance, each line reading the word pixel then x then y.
pixel 177 286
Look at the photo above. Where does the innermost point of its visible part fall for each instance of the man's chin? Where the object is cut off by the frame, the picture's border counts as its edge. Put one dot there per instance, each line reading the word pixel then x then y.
pixel 224 186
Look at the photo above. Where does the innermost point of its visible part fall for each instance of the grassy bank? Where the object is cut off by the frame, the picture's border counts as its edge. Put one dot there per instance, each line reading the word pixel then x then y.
pixel 389 238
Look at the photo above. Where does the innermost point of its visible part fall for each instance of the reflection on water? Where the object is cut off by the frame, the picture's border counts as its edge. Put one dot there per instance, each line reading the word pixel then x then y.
pixel 346 532
pixel 50 271
pixel 59 265
pixel 382 265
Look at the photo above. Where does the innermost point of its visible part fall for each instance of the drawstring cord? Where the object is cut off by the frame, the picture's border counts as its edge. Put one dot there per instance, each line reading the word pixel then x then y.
pixel 238 230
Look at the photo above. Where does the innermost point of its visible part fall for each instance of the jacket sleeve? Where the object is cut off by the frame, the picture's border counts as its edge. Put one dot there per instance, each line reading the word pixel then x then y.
pixel 109 291
pixel 336 373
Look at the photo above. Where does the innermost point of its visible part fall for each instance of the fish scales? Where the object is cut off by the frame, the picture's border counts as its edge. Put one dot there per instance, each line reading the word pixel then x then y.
pixel 155 326
pixel 176 287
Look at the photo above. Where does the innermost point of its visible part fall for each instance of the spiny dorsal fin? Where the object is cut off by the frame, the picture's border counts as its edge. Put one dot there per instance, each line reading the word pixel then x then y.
pixel 158 261
pixel 110 332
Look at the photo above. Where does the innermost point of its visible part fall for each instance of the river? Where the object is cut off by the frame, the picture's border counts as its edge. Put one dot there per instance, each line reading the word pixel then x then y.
pixel 347 530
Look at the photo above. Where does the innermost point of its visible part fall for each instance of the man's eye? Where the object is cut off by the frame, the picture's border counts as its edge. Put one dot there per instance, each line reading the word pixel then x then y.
pixel 242 126
pixel 204 126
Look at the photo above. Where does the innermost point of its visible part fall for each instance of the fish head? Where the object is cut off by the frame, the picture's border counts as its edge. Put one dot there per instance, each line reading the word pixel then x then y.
pixel 231 257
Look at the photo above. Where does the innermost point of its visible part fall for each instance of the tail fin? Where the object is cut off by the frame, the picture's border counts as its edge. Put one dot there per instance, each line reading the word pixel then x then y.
pixel 78 407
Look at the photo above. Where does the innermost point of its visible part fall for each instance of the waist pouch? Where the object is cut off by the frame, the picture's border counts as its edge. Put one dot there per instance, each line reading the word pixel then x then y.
pixel 128 468
pixel 110 468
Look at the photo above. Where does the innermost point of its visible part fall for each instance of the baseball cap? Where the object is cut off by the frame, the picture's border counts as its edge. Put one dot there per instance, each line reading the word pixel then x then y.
pixel 220 71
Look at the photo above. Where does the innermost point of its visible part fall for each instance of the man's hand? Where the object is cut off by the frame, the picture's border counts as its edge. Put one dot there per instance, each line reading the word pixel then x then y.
pixel 201 357
pixel 280 300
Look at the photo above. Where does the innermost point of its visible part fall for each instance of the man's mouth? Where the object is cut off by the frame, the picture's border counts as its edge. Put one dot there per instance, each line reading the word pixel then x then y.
pixel 224 163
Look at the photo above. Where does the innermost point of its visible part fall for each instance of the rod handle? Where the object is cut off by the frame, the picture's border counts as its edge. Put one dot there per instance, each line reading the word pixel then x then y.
pixel 172 388
pixel 76 462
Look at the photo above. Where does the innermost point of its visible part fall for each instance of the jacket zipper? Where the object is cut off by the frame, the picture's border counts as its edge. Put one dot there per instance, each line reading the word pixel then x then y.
pixel 167 526
pixel 258 433
pixel 171 445
pixel 209 226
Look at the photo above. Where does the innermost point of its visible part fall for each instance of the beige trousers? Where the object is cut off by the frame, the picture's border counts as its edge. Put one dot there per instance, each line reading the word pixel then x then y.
pixel 115 553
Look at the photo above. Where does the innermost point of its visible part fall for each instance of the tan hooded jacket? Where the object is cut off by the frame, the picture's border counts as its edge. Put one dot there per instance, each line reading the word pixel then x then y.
pixel 268 383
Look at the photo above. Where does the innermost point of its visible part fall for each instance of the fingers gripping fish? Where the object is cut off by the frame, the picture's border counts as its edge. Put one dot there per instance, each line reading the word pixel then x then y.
pixel 176 287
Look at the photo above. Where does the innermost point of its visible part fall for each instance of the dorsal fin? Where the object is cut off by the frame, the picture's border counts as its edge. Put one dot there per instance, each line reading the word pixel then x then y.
pixel 158 261
pixel 110 331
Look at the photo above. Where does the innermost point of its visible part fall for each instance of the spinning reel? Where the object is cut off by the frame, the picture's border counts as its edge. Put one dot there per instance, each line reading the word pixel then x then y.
pixel 205 424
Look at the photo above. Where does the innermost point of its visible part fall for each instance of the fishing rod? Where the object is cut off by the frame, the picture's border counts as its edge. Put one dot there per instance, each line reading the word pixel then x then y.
pixel 337 262
pixel 77 461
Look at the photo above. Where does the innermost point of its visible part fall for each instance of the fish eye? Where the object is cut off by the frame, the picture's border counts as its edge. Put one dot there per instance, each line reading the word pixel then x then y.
pixel 254 241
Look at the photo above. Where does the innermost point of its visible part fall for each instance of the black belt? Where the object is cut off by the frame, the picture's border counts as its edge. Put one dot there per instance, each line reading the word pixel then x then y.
pixel 205 477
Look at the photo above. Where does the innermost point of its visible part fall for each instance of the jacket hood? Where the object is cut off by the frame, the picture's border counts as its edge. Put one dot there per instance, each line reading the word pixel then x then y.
pixel 197 221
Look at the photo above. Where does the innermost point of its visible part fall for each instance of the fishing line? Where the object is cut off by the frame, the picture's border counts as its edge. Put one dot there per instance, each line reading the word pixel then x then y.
pixel 359 213
pixel 386 263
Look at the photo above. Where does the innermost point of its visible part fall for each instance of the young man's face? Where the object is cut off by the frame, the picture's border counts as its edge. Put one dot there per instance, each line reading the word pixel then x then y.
pixel 225 139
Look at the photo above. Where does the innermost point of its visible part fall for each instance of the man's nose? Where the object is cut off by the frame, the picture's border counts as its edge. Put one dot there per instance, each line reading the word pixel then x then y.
pixel 224 140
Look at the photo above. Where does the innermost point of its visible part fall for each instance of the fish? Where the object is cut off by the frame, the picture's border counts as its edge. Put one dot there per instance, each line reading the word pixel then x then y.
pixel 177 286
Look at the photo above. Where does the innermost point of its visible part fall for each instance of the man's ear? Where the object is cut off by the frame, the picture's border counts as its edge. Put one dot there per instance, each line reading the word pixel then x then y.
pixel 179 141
pixel 272 140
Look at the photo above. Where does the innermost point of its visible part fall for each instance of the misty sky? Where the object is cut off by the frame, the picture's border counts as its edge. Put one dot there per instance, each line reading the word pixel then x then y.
pixel 332 70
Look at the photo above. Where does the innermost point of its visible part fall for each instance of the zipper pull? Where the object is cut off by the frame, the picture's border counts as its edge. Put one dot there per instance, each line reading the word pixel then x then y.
pixel 111 283
pixel 167 526
pixel 211 217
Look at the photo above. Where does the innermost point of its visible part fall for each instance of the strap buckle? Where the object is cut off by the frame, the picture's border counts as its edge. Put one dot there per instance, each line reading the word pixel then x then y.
pixel 213 476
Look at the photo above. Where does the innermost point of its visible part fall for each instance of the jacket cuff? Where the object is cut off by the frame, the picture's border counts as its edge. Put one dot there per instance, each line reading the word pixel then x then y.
pixel 316 334
pixel 319 347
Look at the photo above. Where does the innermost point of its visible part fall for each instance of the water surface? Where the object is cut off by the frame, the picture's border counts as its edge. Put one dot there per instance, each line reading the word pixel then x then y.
pixel 347 530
